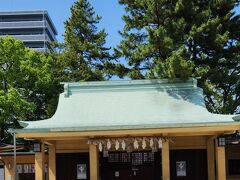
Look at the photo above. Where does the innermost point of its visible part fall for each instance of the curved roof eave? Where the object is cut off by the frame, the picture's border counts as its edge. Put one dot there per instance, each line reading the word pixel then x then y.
pixel 135 104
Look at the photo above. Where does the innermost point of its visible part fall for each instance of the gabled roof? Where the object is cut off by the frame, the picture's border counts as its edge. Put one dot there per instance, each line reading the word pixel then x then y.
pixel 135 104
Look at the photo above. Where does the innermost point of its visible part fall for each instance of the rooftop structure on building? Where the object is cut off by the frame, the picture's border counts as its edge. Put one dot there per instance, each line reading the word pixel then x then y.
pixel 136 104
pixel 34 28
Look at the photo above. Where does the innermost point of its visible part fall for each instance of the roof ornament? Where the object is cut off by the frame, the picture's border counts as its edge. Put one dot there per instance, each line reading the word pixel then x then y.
pixel 195 82
pixel 66 90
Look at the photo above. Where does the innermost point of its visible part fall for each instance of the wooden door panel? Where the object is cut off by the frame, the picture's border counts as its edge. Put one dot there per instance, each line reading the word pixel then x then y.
pixel 196 164
pixel 67 165
pixel 131 166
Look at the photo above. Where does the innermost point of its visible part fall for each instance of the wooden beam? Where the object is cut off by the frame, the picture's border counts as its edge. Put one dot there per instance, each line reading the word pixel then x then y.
pixel 165 161
pixel 52 161
pixel 213 133
pixel 94 162
pixel 201 130
pixel 220 162
pixel 72 151
pixel 211 158
pixel 187 147
pixel 54 137
pixel 49 143
pixel 40 164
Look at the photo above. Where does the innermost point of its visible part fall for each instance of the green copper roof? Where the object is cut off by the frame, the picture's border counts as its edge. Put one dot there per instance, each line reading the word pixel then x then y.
pixel 135 104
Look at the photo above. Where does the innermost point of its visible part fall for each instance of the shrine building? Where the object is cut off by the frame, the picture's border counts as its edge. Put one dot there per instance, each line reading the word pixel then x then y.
pixel 138 130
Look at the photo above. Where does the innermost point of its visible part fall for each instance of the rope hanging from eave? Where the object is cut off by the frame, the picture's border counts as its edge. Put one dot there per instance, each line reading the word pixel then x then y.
pixel 128 143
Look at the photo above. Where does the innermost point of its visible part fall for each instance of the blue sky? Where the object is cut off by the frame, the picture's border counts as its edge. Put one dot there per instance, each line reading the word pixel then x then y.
pixel 59 11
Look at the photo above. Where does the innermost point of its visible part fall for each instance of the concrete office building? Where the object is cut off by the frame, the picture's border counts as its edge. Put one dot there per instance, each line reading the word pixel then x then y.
pixel 34 28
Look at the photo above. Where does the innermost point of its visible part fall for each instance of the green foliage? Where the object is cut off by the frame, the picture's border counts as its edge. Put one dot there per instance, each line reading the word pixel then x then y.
pixel 83 56
pixel 175 66
pixel 25 77
pixel 182 38
pixel 13 105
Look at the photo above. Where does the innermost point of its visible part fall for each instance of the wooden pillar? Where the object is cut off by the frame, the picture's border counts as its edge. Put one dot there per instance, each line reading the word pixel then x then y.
pixel 94 162
pixel 211 159
pixel 40 164
pixel 52 162
pixel 9 171
pixel 165 161
pixel 220 162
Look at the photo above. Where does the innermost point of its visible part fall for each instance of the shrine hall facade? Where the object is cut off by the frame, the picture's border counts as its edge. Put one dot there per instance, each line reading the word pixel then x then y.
pixel 137 129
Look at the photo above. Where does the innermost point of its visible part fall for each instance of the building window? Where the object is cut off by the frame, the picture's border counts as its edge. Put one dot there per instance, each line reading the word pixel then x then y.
pixel 125 157
pixel 148 157
pixel 113 157
pixel 25 168
pixel 234 166
pixel 27 171
pixel 137 159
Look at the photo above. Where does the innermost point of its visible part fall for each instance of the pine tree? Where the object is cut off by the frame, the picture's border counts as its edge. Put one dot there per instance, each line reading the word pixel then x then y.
pixel 181 38
pixel 84 56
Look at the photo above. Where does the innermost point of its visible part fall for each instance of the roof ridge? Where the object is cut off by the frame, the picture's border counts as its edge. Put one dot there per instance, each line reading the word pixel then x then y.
pixel 189 81
pixel 129 84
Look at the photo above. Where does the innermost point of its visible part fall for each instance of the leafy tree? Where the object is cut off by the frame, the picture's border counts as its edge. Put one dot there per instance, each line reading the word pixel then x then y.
pixel 83 55
pixel 181 38
pixel 25 78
